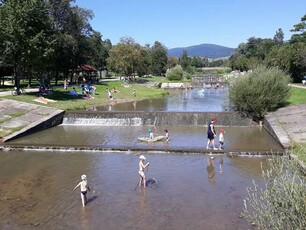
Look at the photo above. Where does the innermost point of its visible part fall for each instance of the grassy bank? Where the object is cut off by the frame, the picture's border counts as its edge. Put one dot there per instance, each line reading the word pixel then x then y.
pixel 67 102
pixel 298 96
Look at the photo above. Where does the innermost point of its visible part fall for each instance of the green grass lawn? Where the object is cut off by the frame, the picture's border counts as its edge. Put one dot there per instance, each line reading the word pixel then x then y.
pixel 298 96
pixel 67 102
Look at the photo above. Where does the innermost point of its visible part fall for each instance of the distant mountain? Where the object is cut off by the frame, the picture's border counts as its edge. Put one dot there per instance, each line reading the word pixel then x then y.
pixel 203 50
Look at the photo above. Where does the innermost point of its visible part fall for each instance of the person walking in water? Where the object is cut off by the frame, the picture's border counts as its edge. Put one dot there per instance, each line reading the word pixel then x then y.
pixel 221 139
pixel 142 166
pixel 84 187
pixel 211 134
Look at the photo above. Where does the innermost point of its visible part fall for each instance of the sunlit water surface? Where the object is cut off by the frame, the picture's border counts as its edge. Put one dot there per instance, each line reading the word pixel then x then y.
pixel 36 191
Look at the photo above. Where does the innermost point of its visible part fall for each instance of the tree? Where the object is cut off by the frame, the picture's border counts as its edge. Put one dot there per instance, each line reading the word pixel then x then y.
pixel 71 35
pixel 176 73
pixel 261 91
pixel 301 29
pixel 184 60
pixel 24 35
pixel 172 62
pixel 159 59
pixel 123 56
pixel 279 37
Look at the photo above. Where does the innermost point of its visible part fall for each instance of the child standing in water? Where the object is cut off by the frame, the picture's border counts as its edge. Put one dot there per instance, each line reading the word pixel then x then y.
pixel 151 134
pixel 84 187
pixel 221 139
pixel 142 166
pixel 167 135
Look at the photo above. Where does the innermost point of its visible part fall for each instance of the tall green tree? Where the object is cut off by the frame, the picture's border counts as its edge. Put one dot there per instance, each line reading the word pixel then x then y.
pixel 123 56
pixel 184 60
pixel 159 59
pixel 24 35
pixel 279 37
pixel 300 28
pixel 71 35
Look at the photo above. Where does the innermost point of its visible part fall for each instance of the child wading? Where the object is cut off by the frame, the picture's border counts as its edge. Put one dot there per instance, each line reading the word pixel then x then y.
pixel 167 135
pixel 142 166
pixel 221 139
pixel 84 187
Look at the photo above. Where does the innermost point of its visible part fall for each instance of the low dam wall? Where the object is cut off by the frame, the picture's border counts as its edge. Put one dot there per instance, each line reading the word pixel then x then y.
pixel 155 118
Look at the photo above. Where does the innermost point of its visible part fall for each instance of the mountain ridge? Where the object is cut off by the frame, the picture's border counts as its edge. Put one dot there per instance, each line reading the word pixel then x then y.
pixel 202 50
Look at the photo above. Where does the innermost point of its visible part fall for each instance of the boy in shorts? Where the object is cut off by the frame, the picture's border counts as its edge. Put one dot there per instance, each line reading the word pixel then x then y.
pixel 84 187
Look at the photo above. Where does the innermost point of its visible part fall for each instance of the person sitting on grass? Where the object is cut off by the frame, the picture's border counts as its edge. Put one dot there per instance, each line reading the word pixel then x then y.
pixel 73 92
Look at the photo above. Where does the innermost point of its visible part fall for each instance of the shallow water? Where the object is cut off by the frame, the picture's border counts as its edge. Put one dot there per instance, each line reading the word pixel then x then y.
pixel 36 191
pixel 181 137
pixel 198 99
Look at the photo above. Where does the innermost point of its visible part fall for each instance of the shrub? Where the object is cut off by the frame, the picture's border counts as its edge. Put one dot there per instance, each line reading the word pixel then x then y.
pixel 260 91
pixel 281 204
pixel 175 73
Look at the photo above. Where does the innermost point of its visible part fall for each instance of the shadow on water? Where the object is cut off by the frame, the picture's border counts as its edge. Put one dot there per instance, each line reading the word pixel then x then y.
pixel 91 199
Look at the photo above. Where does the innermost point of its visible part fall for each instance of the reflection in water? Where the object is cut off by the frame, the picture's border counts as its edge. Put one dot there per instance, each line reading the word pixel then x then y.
pixel 143 208
pixel 211 167
pixel 84 220
pixel 211 170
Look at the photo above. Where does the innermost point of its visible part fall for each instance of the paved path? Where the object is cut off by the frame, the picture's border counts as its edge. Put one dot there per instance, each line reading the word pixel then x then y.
pixel 9 93
pixel 16 115
pixel 288 124
pixel 298 86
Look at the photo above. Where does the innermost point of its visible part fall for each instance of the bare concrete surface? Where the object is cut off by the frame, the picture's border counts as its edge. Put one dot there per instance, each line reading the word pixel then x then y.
pixel 288 124
pixel 19 118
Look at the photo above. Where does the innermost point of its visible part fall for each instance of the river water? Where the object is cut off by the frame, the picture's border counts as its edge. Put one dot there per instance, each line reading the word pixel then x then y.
pixel 196 100
pixel 36 191
pixel 250 139
pixel 193 193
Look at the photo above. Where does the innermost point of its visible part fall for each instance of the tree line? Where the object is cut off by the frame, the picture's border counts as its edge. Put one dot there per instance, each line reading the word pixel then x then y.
pixel 52 38
pixel 289 56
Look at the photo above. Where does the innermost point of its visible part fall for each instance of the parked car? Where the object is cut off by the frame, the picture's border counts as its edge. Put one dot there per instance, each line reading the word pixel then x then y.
pixel 304 80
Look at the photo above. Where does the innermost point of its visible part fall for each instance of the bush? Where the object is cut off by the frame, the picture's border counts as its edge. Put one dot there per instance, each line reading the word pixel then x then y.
pixel 281 204
pixel 175 73
pixel 260 91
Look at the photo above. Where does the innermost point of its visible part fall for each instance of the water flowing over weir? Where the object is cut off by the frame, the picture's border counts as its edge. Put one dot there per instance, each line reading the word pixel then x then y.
pixel 155 118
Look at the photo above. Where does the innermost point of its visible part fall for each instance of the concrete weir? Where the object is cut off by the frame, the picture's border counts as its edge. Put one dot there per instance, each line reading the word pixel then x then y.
pixel 230 153
pixel 155 118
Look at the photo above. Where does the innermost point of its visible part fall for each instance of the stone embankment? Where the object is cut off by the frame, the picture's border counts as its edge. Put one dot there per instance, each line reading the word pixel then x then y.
pixel 19 118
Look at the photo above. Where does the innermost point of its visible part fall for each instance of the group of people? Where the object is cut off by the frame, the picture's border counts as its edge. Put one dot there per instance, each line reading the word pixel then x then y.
pixel 152 135
pixel 211 135
pixel 84 186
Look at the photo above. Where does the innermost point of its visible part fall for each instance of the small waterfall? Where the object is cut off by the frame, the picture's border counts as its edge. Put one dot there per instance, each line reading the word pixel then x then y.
pixel 155 118
pixel 135 121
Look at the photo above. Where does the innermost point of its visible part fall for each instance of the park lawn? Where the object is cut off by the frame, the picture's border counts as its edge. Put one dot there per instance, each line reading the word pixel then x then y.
pixel 65 101
pixel 298 96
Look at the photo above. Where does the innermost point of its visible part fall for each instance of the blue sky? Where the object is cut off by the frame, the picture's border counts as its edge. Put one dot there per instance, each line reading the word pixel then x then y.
pixel 179 23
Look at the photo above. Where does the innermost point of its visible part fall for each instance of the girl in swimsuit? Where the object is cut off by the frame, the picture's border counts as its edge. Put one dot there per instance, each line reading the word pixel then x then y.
pixel 142 166
pixel 84 187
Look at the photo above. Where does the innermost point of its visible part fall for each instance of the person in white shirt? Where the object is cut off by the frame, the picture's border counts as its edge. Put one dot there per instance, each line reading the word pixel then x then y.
pixel 221 139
